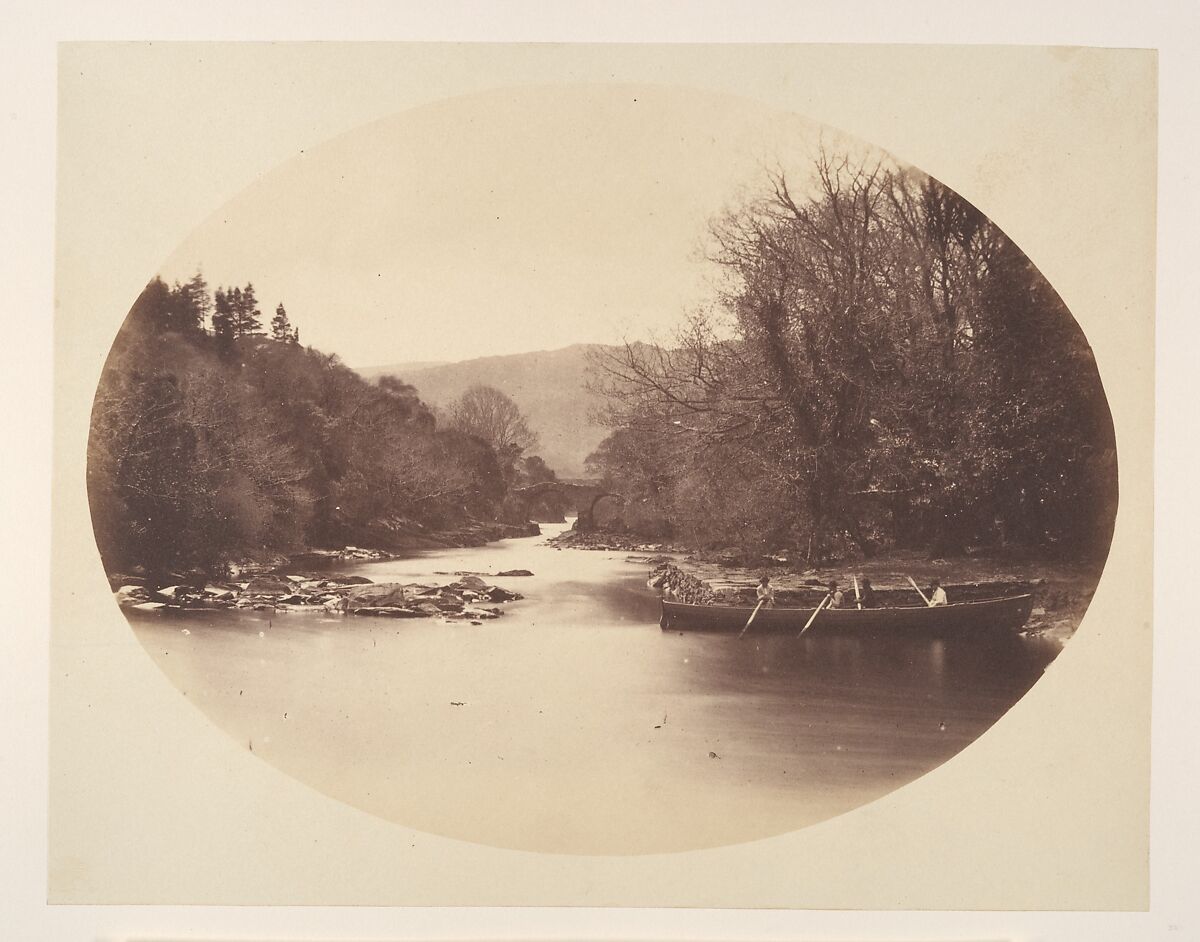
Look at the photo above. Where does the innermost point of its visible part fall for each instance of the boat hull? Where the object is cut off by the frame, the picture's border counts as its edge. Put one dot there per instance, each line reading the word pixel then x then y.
pixel 988 615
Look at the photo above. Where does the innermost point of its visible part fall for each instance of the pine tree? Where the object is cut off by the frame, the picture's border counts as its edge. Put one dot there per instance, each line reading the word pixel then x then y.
pixel 154 308
pixel 223 321
pixel 192 304
pixel 246 313
pixel 281 328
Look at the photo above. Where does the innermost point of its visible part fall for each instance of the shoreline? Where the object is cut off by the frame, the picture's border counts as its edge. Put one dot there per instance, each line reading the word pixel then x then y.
pixel 399 544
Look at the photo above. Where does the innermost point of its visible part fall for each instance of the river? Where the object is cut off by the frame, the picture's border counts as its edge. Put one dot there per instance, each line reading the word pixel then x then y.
pixel 573 724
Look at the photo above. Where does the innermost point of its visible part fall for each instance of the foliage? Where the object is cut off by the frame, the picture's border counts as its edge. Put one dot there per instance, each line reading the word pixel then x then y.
pixel 489 415
pixel 206 446
pixel 880 365
pixel 281 327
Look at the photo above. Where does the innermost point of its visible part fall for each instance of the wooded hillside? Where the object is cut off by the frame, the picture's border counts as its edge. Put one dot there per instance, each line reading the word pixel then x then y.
pixel 212 440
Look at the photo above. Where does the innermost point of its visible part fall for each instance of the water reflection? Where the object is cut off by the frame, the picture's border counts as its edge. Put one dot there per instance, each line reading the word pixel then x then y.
pixel 574 724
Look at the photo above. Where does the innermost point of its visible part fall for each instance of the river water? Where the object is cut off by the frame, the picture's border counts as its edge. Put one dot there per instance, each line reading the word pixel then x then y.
pixel 573 724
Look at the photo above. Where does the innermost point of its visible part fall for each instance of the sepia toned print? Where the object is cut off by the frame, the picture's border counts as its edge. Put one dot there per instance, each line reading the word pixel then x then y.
pixel 685 474
pixel 873 384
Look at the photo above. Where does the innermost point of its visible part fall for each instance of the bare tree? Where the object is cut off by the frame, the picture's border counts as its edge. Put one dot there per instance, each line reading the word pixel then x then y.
pixel 882 365
pixel 488 414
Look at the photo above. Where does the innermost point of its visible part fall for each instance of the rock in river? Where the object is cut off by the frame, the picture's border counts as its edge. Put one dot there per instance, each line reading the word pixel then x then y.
pixel 269 585
pixel 381 595
pixel 132 595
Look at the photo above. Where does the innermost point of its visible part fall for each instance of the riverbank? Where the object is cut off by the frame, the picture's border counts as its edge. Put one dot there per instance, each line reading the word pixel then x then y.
pixel 391 536
pixel 385 540
pixel 605 541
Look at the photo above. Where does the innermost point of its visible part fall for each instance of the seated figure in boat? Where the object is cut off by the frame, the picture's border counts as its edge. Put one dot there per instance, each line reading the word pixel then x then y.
pixel 937 595
pixel 867 597
pixel 765 592
pixel 836 598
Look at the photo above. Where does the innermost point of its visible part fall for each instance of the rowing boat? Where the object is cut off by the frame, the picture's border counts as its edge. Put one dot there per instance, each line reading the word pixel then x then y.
pixel 987 615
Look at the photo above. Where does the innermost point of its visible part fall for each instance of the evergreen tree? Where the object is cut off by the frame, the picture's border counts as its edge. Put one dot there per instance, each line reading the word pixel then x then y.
pixel 154 308
pixel 192 304
pixel 246 315
pixel 223 321
pixel 281 328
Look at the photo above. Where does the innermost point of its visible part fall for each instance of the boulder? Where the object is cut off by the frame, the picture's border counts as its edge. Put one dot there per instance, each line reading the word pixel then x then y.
pixel 381 595
pixel 497 594
pixel 268 585
pixel 131 595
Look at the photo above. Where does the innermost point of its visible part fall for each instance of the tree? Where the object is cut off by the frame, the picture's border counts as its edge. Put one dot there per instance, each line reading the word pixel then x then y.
pixel 152 309
pixel 281 328
pixel 193 304
pixel 178 309
pixel 879 364
pixel 224 332
pixel 808 287
pixel 246 315
pixel 404 398
pixel 534 470
pixel 488 414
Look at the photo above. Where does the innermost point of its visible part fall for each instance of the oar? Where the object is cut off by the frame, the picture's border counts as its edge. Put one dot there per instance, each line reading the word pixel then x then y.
pixel 752 614
pixel 919 592
pixel 857 597
pixel 813 616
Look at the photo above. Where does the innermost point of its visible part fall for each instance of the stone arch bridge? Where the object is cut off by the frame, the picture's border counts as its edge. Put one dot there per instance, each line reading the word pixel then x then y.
pixel 583 496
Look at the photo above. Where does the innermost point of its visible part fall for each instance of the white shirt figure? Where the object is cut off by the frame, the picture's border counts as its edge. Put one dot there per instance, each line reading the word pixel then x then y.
pixel 765 594
pixel 938 597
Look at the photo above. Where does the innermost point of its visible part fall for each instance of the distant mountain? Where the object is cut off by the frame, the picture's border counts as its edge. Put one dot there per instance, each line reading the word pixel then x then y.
pixel 370 372
pixel 549 386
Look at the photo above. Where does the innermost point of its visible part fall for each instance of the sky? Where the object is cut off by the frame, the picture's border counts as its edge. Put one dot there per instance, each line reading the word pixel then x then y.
pixel 504 222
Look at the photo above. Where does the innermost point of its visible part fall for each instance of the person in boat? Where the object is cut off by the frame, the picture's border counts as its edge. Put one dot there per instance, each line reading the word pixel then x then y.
pixel 836 598
pixel 866 595
pixel 937 595
pixel 765 592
